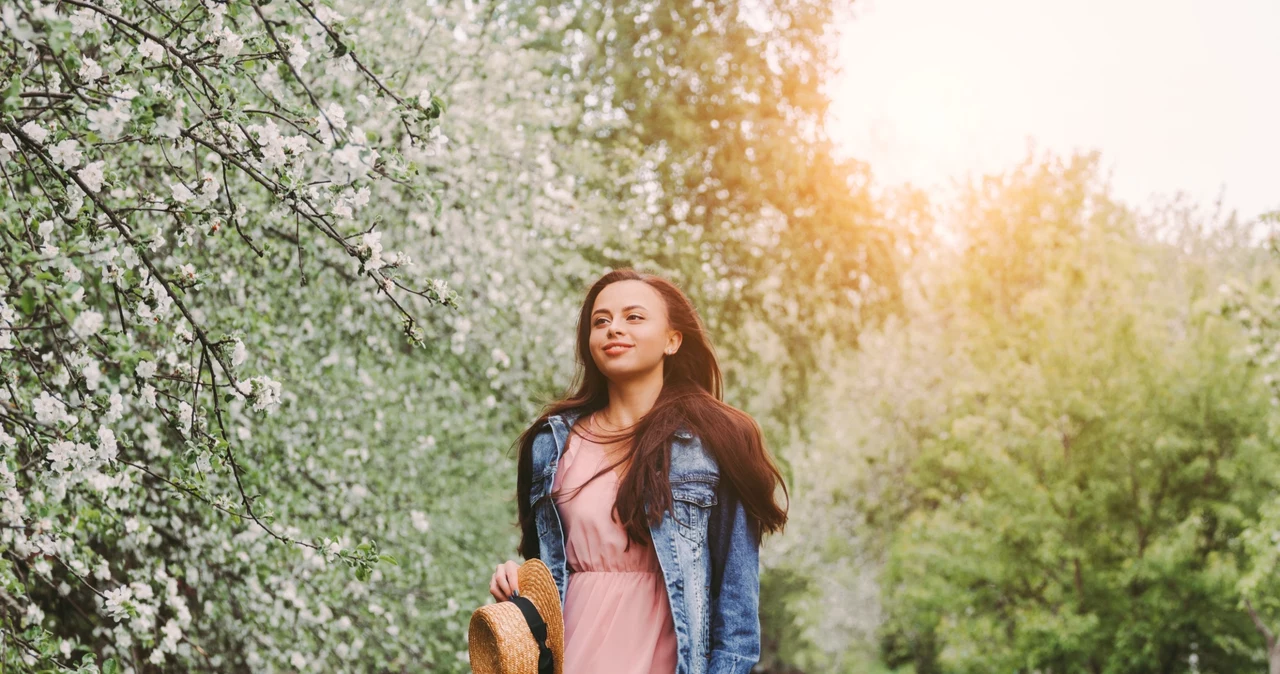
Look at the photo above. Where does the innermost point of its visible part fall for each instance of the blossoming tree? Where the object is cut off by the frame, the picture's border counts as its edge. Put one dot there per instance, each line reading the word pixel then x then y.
pixel 228 405
pixel 150 153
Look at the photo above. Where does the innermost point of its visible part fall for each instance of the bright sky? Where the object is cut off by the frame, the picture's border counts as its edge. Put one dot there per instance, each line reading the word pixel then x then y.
pixel 1175 94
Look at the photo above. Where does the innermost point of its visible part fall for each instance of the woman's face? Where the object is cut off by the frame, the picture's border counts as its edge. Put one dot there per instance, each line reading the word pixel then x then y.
pixel 629 330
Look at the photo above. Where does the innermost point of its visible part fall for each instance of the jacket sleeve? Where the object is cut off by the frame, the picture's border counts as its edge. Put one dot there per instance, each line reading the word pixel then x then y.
pixel 735 586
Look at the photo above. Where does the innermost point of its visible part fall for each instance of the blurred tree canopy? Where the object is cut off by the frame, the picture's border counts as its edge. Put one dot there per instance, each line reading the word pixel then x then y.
pixel 1062 452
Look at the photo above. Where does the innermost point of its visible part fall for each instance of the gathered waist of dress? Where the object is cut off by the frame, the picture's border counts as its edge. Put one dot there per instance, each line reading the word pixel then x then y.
pixel 644 571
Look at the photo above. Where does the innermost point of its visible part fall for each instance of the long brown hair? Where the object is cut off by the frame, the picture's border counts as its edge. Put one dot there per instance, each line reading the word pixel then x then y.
pixel 692 396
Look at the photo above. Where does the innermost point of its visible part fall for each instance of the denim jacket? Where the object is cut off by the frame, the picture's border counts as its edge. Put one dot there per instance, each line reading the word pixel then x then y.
pixel 710 559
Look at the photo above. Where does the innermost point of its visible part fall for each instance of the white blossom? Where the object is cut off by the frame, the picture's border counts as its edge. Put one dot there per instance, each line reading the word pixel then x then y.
pixel 151 50
pixel 172 635
pixel 66 153
pixel 92 176
pixel 268 396
pixel 298 54
pixel 7 147
pixel 33 615
pixel 115 408
pixel 88 323
pixel 36 132
pixel 109 121
pixel 372 242
pixel 75 199
pixel 92 375
pixel 48 409
pixel 71 273
pixel 117 602
pixel 107 447
pixel 90 70
pixel 229 44
pixel 145 369
pixel 333 117
pixel 208 190
pixel 181 193
pixel 84 21
pixel 264 392
pixel 184 416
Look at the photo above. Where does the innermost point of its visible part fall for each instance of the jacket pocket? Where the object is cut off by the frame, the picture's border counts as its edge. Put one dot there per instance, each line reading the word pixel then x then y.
pixel 691 503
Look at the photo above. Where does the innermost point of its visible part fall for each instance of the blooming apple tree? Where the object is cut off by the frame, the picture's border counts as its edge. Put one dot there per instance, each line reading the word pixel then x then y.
pixel 226 398
pixel 162 162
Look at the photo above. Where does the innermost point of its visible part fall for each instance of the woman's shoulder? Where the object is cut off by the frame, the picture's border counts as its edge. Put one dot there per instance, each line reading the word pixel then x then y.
pixel 691 459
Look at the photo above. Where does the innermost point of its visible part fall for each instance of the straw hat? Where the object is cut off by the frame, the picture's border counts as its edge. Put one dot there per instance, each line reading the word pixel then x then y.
pixel 504 637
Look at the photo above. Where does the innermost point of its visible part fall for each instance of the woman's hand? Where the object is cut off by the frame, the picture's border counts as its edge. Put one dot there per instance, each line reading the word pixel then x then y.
pixel 504 581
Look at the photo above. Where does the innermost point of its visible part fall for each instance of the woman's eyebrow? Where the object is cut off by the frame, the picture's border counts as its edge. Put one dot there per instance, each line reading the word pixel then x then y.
pixel 624 309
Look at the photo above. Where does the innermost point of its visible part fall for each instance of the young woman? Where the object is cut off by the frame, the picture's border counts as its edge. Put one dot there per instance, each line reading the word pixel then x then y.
pixel 646 495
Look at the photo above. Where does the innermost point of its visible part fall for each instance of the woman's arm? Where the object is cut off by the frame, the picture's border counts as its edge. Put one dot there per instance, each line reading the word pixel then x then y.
pixel 735 585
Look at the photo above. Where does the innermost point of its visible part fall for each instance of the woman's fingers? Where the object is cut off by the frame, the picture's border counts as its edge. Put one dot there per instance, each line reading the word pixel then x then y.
pixel 500 583
pixel 513 575
pixel 493 589
pixel 505 581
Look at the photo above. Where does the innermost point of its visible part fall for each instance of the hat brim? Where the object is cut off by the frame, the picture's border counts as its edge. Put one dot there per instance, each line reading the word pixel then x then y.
pixel 499 640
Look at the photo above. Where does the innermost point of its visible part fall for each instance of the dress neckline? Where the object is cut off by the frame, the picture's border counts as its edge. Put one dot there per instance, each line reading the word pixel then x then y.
pixel 598 448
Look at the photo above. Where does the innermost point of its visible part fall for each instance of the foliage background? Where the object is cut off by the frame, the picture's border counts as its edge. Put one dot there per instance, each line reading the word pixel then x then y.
pixel 1025 427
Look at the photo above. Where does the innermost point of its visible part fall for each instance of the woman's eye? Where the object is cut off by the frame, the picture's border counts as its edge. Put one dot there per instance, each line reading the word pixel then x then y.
pixel 598 320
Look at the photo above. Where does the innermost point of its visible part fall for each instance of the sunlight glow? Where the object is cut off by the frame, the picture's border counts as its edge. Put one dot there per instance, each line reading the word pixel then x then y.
pixel 1176 95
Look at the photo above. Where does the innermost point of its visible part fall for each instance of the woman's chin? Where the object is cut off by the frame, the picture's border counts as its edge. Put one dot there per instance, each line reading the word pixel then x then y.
pixel 620 372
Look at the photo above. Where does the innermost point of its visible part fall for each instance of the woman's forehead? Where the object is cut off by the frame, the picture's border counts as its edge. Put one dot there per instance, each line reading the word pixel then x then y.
pixel 623 294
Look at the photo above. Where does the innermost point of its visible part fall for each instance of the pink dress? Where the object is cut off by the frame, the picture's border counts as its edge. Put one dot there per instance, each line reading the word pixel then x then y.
pixel 617 617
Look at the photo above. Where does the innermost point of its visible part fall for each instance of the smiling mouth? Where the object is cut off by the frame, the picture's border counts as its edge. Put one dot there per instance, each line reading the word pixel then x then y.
pixel 616 349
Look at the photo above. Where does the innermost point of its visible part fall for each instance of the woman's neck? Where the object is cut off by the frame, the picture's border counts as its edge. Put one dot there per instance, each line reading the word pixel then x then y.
pixel 629 402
